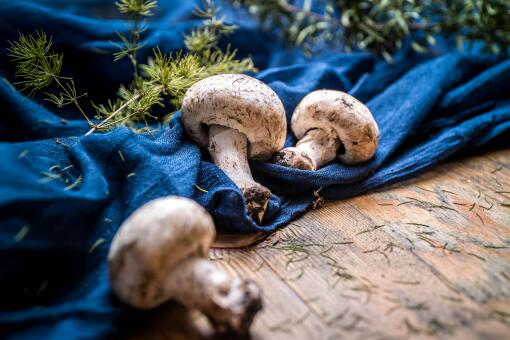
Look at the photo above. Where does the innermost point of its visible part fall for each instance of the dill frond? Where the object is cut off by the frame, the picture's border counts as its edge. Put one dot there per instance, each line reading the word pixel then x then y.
pixel 200 40
pixel 37 66
pixel 129 46
pixel 164 77
pixel 131 106
pixel 207 35
pixel 218 62
pixel 171 75
pixel 177 73
pixel 137 7
pixel 173 72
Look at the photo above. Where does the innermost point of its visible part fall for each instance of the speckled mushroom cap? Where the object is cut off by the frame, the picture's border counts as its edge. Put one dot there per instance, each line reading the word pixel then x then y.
pixel 238 102
pixel 343 117
pixel 152 241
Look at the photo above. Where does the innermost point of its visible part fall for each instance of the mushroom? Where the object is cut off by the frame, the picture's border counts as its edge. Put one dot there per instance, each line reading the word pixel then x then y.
pixel 159 254
pixel 330 124
pixel 237 117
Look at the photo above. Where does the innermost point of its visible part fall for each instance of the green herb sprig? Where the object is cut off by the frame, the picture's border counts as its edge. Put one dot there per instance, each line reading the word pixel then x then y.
pixel 168 76
pixel 136 9
pixel 382 26
pixel 163 78
pixel 38 67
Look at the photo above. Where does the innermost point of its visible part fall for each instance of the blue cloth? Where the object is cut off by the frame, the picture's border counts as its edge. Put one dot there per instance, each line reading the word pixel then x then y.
pixel 53 283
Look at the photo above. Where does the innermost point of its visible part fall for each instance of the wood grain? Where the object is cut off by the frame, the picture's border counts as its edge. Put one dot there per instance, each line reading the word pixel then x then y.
pixel 427 258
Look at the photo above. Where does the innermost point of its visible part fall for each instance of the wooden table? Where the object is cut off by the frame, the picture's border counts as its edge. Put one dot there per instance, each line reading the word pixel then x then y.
pixel 427 258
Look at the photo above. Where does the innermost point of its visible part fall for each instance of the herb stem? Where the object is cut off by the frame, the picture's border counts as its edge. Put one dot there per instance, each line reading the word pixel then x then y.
pixel 120 109
pixel 136 38
pixel 73 96
pixel 82 112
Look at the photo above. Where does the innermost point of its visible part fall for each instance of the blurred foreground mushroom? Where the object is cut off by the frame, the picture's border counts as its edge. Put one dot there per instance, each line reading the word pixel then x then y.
pixel 160 254
pixel 237 117
pixel 330 124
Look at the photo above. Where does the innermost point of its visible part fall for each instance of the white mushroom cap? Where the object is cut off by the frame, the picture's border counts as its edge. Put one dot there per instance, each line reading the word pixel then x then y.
pixel 158 254
pixel 151 242
pixel 344 118
pixel 238 102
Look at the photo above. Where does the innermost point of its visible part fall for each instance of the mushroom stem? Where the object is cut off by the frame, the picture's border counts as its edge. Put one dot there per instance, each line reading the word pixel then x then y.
pixel 229 303
pixel 311 152
pixel 229 151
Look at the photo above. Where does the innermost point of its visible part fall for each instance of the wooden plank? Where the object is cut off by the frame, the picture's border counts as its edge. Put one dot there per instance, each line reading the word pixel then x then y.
pixel 383 289
pixel 469 247
pixel 490 173
pixel 427 258
pixel 285 315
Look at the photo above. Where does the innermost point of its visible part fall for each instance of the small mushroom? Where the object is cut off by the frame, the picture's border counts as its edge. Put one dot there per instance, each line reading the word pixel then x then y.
pixel 330 124
pixel 159 254
pixel 237 117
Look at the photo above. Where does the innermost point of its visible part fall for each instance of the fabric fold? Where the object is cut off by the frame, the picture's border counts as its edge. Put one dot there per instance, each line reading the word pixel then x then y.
pixel 63 195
